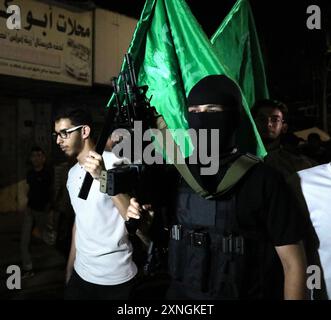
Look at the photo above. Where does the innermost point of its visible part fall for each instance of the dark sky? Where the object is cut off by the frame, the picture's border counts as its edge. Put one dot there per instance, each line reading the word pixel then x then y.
pixel 293 54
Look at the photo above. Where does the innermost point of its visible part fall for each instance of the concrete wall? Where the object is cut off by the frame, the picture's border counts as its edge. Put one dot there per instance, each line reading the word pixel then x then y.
pixel 113 34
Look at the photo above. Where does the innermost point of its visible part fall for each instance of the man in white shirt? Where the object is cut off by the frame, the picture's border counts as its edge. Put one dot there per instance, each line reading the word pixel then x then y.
pixel 314 184
pixel 100 264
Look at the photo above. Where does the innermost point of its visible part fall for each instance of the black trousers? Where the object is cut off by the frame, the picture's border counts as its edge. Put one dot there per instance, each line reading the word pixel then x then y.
pixel 79 289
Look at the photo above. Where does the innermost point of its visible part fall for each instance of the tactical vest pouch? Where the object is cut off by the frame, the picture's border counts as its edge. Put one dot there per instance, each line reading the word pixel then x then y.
pixel 189 259
pixel 208 263
pixel 197 262
pixel 224 284
pixel 176 258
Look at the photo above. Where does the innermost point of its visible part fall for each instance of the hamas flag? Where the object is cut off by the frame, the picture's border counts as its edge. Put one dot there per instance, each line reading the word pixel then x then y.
pixel 237 46
pixel 171 54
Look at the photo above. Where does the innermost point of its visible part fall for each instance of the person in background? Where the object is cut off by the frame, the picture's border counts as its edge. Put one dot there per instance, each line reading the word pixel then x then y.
pixel 312 188
pixel 40 186
pixel 315 150
pixel 270 117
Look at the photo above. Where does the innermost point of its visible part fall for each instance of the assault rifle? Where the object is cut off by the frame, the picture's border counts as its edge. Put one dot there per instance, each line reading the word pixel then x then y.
pixel 131 104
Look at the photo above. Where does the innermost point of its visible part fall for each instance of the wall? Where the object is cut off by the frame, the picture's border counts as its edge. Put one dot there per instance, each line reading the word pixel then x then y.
pixel 113 34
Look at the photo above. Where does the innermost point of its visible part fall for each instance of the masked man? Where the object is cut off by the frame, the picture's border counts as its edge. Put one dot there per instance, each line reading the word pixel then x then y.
pixel 236 233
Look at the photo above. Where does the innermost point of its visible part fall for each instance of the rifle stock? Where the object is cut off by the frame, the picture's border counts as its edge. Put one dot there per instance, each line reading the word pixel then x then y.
pixel 99 148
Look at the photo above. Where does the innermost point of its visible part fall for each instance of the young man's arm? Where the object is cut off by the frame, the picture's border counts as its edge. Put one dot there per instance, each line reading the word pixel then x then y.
pixel 94 165
pixel 294 264
pixel 122 202
pixel 72 255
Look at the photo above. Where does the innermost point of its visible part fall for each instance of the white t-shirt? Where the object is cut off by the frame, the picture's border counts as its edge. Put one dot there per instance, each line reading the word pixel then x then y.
pixel 103 249
pixel 316 188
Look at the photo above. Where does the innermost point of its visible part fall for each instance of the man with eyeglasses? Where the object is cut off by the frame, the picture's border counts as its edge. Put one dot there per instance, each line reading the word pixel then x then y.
pixel 100 264
pixel 270 117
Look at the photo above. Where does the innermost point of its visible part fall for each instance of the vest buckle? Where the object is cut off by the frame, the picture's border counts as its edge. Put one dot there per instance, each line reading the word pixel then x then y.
pixel 198 239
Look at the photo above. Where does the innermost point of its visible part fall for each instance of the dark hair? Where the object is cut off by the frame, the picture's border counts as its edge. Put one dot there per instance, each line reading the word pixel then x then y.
pixel 313 136
pixel 77 116
pixel 268 103
pixel 37 149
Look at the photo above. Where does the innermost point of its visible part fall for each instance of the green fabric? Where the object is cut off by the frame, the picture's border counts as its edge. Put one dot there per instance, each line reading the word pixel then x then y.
pixel 237 45
pixel 172 53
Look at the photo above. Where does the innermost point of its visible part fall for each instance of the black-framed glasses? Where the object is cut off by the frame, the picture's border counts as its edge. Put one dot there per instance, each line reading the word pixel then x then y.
pixel 64 133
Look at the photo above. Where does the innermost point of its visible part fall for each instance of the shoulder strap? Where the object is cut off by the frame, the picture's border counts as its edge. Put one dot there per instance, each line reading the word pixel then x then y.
pixel 177 159
pixel 190 180
pixel 236 171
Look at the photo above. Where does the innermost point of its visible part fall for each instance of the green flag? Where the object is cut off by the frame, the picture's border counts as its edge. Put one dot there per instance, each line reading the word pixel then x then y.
pixel 237 45
pixel 172 53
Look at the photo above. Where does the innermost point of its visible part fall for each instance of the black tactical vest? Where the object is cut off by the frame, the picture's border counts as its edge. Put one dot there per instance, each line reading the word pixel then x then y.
pixel 208 251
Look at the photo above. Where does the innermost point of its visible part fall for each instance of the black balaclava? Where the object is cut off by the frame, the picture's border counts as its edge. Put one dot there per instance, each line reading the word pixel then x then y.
pixel 216 90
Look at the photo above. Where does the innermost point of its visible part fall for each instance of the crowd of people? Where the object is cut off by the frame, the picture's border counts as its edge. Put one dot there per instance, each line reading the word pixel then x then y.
pixel 250 231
